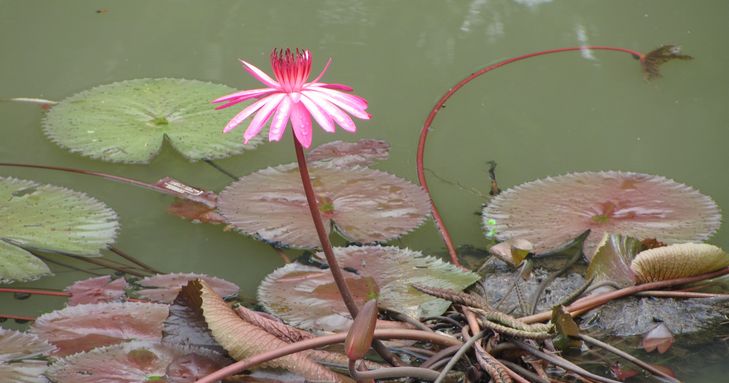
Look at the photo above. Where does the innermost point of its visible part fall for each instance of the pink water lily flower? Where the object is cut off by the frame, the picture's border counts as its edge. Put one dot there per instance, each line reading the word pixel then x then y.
pixel 291 97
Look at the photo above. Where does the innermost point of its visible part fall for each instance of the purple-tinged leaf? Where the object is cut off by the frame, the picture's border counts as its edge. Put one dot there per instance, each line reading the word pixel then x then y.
pixel 83 327
pixel 344 154
pixel 166 286
pixel 363 205
pixel 17 357
pixel 659 338
pixel 136 362
pixel 553 211
pixel 306 296
pixel 97 290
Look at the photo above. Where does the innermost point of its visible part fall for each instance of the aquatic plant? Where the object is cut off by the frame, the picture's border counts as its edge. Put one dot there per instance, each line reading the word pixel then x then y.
pixel 48 218
pixel 21 357
pixel 678 261
pixel 163 288
pixel 128 121
pixel 292 98
pixel 553 211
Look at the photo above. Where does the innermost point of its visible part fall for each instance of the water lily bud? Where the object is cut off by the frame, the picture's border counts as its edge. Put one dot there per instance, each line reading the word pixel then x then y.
pixel 359 338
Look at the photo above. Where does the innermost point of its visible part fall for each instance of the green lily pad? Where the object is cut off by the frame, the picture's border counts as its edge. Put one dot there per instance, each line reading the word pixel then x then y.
pixel 48 218
pixel 306 296
pixel 128 121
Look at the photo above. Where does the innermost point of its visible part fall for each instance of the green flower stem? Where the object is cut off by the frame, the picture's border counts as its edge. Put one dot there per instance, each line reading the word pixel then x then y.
pixel 325 341
pixel 327 247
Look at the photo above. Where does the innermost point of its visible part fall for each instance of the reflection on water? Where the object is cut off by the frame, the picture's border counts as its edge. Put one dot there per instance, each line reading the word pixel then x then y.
pixel 548 116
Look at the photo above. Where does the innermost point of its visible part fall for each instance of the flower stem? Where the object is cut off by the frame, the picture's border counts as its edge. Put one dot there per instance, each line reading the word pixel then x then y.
pixel 321 342
pixel 439 105
pixel 326 246
pixel 64 294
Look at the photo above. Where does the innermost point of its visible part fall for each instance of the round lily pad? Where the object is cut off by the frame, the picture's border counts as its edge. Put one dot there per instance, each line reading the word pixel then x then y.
pixel 363 205
pixel 48 218
pixel 553 211
pixel 128 121
pixel 306 296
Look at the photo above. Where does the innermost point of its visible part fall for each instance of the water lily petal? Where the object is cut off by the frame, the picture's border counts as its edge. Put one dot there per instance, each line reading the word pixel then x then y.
pixel 330 86
pixel 339 116
pixel 280 120
pixel 326 66
pixel 237 97
pixel 301 122
pixel 350 106
pixel 245 113
pixel 324 119
pixel 260 75
pixel 262 116
pixel 351 99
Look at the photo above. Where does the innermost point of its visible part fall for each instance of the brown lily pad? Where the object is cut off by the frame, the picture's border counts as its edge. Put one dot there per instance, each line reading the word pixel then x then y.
pixel 552 211
pixel 306 296
pixel 83 327
pixel 363 205
pixel 164 287
pixel 97 290
pixel 135 362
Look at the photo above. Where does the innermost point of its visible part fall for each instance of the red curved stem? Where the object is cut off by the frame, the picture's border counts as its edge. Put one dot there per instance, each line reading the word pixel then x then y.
pixel 36 292
pixel 324 341
pixel 16 317
pixel 429 121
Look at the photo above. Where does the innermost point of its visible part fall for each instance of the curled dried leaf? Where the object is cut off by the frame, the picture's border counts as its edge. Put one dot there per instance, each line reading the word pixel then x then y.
pixel 659 338
pixel 652 60
pixel 678 261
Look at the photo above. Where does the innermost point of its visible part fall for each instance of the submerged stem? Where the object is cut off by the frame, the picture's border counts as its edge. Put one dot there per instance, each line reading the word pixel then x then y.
pixel 441 102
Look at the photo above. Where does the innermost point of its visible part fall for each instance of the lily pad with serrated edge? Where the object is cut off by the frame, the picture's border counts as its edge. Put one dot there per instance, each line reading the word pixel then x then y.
pixel 19 357
pixel 48 218
pixel 137 361
pixel 163 288
pixel 363 205
pixel 552 211
pixel 83 327
pixel 97 290
pixel 306 296
pixel 340 153
pixel 128 121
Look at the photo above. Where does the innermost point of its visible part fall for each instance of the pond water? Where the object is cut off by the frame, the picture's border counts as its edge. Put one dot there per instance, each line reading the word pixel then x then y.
pixel 550 115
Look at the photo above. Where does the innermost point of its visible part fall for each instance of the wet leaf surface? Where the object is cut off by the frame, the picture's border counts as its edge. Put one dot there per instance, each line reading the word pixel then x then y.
pixel 128 121
pixel 306 296
pixel 346 154
pixel 48 218
pixel 97 290
pixel 552 211
pixel 164 287
pixel 83 327
pixel 136 362
pixel 363 205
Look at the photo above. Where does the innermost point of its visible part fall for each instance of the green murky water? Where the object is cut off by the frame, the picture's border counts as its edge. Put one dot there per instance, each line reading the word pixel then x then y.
pixel 547 116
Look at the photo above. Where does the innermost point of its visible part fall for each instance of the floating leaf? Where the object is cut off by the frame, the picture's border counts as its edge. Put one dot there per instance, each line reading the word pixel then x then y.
pixel 48 218
pixel 345 154
pixel 659 338
pixel 552 211
pixel 306 296
pixel 166 286
pixel 97 290
pixel 83 327
pixel 19 353
pixel 612 260
pixel 186 324
pixel 652 60
pixel 242 339
pixel 678 261
pixel 128 121
pixel 136 362
pixel 363 205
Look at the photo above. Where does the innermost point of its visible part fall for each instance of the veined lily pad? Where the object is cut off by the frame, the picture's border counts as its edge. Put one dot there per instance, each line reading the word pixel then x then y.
pixel 19 353
pixel 83 327
pixel 97 290
pixel 48 218
pixel 678 261
pixel 340 153
pixel 552 211
pixel 363 205
pixel 306 296
pixel 164 287
pixel 136 362
pixel 128 121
